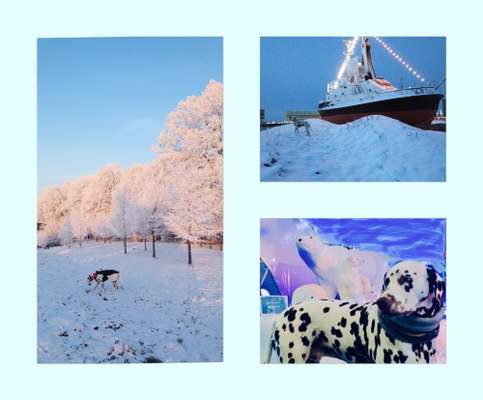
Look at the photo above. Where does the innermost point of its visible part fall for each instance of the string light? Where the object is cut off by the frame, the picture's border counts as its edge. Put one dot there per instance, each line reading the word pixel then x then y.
pixel 403 62
pixel 350 46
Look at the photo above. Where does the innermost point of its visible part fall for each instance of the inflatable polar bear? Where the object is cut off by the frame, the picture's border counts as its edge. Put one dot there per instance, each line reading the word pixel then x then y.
pixel 356 275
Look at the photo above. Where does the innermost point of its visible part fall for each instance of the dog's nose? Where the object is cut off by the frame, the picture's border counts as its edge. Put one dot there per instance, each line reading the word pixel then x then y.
pixel 384 304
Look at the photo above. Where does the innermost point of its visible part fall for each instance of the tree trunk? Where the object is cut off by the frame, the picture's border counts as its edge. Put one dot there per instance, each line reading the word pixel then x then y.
pixel 80 242
pixel 154 245
pixel 189 252
pixel 221 246
pixel 125 244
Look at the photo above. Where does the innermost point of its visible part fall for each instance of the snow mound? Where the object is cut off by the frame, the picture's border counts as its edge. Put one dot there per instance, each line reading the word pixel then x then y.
pixel 373 148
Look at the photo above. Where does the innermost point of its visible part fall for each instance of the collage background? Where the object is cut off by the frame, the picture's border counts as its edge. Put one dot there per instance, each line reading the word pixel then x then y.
pixel 247 200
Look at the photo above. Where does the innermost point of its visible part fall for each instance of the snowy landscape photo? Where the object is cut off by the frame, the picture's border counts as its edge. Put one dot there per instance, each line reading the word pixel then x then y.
pixel 352 109
pixel 130 200
pixel 353 291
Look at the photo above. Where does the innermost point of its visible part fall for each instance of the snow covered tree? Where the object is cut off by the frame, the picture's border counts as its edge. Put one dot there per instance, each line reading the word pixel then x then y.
pixel 101 226
pixel 151 202
pixel 96 199
pixel 50 214
pixel 191 149
pixel 123 213
pixel 66 233
pixel 79 225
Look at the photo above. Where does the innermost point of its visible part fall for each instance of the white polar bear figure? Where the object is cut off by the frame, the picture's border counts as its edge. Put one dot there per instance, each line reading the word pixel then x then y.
pixel 372 265
pixel 351 284
pixel 353 278
pixel 311 291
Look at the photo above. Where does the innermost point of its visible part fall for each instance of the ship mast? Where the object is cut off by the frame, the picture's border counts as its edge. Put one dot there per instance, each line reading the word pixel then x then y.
pixel 369 72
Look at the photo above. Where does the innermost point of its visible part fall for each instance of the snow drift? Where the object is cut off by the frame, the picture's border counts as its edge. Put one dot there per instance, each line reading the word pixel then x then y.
pixel 374 148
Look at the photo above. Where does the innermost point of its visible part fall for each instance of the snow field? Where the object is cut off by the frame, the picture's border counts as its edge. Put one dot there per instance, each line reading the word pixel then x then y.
pixel 164 311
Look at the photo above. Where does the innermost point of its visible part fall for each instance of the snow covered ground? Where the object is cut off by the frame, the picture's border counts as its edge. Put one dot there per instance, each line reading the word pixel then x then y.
pixel 164 311
pixel 374 148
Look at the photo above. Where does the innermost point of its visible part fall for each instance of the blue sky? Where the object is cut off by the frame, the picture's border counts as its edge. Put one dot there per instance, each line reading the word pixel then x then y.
pixel 105 100
pixel 294 71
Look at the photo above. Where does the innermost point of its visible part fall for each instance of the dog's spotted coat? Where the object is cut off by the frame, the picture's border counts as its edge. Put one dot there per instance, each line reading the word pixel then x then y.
pixel 354 332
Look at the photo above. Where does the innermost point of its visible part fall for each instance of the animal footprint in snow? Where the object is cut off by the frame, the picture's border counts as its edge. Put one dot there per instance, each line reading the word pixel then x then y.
pixel 114 326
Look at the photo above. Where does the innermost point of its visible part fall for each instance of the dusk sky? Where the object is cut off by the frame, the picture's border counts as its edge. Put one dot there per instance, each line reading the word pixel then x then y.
pixel 105 100
pixel 294 71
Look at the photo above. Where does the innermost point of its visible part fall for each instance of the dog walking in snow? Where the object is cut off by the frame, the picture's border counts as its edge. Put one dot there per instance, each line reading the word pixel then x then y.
pixel 99 277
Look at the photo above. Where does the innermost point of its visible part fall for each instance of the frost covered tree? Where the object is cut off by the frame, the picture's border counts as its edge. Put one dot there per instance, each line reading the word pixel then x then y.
pixel 66 233
pixel 79 225
pixel 96 198
pixel 123 213
pixel 191 149
pixel 151 202
pixel 101 227
pixel 50 214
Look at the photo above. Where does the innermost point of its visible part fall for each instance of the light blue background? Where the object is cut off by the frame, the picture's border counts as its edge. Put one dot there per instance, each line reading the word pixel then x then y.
pixel 247 200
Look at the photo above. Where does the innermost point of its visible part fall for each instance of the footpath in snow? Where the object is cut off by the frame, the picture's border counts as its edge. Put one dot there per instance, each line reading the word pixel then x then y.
pixel 164 311
pixel 374 148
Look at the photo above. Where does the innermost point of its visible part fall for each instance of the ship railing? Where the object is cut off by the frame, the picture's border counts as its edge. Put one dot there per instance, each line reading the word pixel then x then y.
pixel 334 85
pixel 417 90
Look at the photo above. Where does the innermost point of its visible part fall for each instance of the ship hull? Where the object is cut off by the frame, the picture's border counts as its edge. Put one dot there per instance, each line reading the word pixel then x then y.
pixel 418 111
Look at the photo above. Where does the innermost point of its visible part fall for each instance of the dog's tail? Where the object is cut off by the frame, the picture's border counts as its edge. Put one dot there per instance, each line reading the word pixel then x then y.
pixel 269 346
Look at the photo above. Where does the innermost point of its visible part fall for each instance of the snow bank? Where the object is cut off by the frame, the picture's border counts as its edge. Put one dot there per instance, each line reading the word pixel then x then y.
pixel 374 148
pixel 165 310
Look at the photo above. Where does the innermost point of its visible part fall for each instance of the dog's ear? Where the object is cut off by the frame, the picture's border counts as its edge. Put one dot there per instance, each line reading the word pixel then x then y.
pixel 439 289
pixel 436 293
pixel 385 282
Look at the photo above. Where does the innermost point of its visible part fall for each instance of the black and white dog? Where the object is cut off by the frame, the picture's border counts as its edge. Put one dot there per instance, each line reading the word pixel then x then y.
pixel 400 327
pixel 99 277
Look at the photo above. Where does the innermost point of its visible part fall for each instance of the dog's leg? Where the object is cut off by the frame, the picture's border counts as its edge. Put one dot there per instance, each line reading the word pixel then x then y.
pixel 95 287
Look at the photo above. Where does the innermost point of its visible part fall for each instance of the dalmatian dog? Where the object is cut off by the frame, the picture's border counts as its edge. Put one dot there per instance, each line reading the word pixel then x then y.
pixel 400 327
pixel 101 276
pixel 352 273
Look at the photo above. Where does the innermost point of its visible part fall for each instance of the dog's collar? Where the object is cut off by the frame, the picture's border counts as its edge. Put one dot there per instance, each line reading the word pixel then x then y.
pixel 411 328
